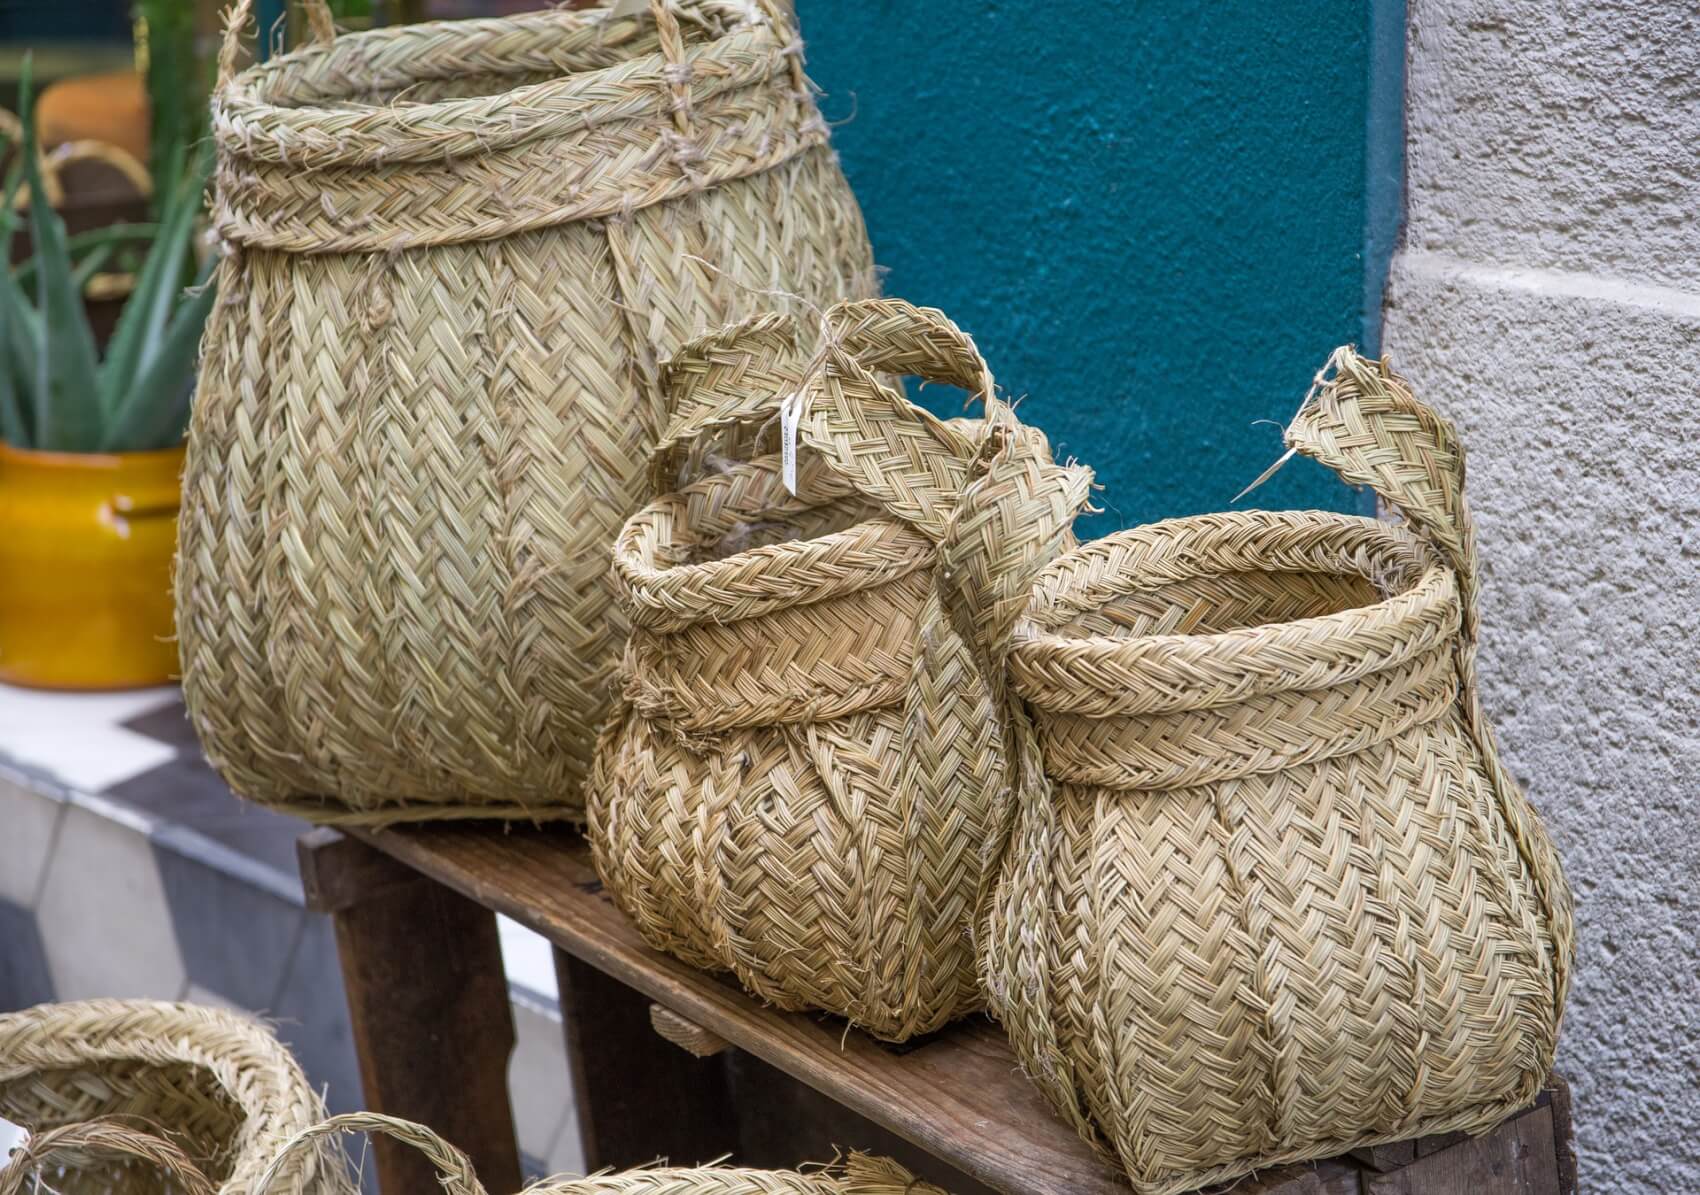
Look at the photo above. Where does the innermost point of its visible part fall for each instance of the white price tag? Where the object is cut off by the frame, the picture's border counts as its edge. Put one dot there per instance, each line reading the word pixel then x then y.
pixel 790 414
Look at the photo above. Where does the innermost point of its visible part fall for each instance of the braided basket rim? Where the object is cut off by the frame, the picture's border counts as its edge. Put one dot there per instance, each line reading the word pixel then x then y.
pixel 266 112
pixel 1061 671
pixel 657 594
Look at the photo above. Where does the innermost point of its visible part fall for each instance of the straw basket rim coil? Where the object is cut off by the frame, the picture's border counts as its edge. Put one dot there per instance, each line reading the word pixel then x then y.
pixel 670 595
pixel 300 146
pixel 127 1054
pixel 1066 671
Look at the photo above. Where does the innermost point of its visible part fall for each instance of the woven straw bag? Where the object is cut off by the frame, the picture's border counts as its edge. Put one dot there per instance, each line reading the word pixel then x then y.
pixel 807 783
pixel 455 253
pixel 859 1175
pixel 1271 894
pixel 119 1095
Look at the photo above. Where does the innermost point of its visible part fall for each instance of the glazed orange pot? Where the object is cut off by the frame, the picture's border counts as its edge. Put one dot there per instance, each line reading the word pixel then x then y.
pixel 85 568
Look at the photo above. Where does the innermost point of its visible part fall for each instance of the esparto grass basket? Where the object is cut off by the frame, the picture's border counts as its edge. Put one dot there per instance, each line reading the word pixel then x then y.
pixel 133 1097
pixel 807 784
pixel 1271 894
pixel 860 1174
pixel 455 253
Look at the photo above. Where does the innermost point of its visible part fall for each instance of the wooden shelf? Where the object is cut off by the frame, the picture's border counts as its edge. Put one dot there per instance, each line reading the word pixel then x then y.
pixel 958 1095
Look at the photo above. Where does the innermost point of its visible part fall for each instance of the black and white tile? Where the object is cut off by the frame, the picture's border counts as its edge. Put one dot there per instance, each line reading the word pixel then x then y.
pixel 128 868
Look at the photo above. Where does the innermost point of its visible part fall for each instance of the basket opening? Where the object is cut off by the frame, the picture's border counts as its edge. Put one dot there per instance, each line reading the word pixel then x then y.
pixel 1232 572
pixel 1225 602
pixel 183 1103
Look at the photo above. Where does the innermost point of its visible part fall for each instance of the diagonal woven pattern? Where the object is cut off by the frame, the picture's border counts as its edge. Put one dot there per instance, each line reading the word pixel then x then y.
pixel 1271 895
pixel 860 1174
pixel 166 1086
pixel 808 784
pixel 456 253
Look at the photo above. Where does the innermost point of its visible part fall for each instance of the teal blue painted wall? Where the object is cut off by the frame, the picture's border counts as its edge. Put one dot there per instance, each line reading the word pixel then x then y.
pixel 1151 215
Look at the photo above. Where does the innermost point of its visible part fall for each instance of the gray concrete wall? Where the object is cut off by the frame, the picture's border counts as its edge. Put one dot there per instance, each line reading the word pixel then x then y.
pixel 1548 298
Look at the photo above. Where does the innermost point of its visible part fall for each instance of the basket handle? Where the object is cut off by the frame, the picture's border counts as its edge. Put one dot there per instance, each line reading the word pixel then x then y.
pixel 1363 422
pixel 77 1145
pixel 736 376
pixel 906 459
pixel 874 440
pixel 454 1168
pixel 1012 521
pixel 236 19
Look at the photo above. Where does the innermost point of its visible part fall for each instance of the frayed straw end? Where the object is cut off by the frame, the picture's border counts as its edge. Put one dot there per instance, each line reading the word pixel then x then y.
pixel 1344 359
pixel 868 1175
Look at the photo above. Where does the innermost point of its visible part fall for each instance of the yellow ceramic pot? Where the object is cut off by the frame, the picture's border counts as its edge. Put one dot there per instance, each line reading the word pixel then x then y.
pixel 85 568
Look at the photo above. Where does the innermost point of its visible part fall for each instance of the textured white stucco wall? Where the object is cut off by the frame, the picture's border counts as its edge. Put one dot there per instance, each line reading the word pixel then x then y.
pixel 1548 298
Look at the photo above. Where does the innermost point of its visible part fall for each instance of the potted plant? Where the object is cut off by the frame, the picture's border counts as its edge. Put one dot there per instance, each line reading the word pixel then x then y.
pixel 91 445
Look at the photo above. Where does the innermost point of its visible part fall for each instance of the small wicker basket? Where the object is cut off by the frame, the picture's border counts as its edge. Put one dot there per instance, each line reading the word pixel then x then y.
pixel 120 1095
pixel 807 784
pixel 1272 895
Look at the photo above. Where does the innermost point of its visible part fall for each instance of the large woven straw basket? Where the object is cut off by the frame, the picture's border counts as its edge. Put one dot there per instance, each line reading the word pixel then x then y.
pixel 859 1175
pixel 127 1097
pixel 455 253
pixel 807 784
pixel 1271 894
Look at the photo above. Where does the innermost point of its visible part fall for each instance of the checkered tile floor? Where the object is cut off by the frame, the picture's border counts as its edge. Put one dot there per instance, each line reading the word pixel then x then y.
pixel 127 868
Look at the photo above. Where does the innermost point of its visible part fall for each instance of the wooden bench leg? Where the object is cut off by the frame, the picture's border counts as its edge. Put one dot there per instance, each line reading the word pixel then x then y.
pixel 428 1002
pixel 640 1097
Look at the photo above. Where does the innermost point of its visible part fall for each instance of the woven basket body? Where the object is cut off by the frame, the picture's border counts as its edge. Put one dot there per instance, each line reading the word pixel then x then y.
pixel 808 784
pixel 1271 895
pixel 455 253
pixel 217 1087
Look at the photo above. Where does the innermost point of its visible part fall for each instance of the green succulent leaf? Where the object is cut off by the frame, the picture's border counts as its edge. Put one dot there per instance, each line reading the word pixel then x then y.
pixel 15 341
pixel 154 412
pixel 141 325
pixel 68 412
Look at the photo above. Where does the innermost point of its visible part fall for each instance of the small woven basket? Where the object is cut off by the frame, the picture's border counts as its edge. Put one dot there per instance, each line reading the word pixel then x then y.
pixel 455 252
pixel 807 783
pixel 1271 895
pixel 860 1174
pixel 129 1097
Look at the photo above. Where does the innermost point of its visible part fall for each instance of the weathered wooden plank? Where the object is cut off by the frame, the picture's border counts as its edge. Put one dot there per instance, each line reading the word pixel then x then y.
pixel 686 1034
pixel 959 1095
pixel 1332 1177
pixel 640 1098
pixel 1517 1158
pixel 337 870
pixel 1382 1158
pixel 428 1005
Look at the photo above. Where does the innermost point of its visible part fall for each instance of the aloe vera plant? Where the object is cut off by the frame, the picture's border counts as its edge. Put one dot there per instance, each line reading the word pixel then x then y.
pixel 56 391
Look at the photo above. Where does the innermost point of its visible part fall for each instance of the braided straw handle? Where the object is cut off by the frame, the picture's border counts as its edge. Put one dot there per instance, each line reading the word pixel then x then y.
pixel 454 1168
pixel 910 462
pixel 89 1143
pixel 1364 423
pixel 236 19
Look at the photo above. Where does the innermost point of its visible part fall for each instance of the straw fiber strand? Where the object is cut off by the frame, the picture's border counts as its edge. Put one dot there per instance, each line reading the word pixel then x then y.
pixel 1270 896
pixel 808 782
pixel 457 254
pixel 859 1174
pixel 119 1093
